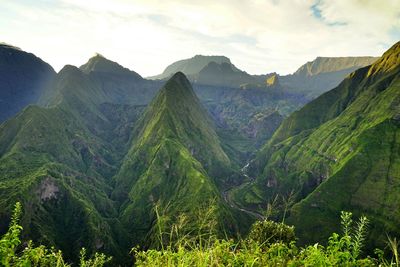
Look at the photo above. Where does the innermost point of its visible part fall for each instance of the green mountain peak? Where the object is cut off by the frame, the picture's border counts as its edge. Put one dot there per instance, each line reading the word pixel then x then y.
pixel 177 112
pixel 175 150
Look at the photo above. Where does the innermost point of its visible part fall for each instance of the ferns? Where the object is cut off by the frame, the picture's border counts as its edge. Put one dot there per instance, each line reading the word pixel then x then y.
pixel 359 236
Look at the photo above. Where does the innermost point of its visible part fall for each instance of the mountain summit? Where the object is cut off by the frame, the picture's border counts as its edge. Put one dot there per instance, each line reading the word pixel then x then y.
pixel 340 152
pixel 191 66
pixel 98 63
pixel 176 158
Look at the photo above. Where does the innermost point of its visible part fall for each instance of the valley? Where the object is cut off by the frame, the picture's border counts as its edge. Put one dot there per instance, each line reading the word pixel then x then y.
pixel 99 156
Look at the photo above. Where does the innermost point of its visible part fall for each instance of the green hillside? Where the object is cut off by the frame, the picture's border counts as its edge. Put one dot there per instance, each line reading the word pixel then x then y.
pixel 59 161
pixel 339 152
pixel 176 161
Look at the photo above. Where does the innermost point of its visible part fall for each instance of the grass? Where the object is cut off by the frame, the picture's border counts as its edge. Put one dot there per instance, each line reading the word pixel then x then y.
pixel 182 243
pixel 268 244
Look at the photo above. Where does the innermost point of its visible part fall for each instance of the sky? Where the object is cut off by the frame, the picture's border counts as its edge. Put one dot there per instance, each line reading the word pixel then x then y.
pixel 147 35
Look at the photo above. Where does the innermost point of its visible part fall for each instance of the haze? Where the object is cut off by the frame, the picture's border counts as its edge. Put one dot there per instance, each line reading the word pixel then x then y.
pixel 146 36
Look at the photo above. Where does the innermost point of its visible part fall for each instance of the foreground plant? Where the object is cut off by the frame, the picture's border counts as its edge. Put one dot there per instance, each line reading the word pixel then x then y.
pixel 13 253
pixel 268 244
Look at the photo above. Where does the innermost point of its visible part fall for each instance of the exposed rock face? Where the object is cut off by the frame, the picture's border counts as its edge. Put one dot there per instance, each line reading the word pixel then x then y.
pixel 48 189
pixel 323 73
pixel 272 81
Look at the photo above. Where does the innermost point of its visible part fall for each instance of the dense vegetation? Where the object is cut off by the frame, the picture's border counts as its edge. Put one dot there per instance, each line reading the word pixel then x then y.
pixel 268 244
pixel 340 151
pixel 111 161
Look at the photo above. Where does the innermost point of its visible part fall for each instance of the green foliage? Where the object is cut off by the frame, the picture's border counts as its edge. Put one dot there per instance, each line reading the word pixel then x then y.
pixel 175 163
pixel 189 230
pixel 13 253
pixel 267 232
pixel 342 250
pixel 340 151
pixel 98 260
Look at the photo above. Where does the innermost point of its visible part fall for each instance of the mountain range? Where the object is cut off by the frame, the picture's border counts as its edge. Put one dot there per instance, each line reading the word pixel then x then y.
pixel 97 154
pixel 338 152
pixel 311 79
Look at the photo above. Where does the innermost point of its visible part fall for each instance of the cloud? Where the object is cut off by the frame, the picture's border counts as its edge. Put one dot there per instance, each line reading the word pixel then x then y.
pixel 259 36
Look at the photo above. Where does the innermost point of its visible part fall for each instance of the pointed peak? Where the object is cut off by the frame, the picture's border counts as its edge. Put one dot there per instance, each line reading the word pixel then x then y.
pixel 178 82
pixel 96 58
pixel 179 76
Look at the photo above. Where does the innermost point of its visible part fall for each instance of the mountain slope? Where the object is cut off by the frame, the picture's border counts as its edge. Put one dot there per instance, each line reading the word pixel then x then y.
pixel 340 152
pixel 23 77
pixel 324 73
pixel 59 161
pixel 99 63
pixel 176 160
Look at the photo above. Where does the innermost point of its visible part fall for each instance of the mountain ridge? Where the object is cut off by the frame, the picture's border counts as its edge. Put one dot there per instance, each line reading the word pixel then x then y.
pixel 338 152
pixel 175 144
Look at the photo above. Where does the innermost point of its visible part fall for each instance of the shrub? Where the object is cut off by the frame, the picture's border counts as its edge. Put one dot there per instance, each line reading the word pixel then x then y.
pixel 268 232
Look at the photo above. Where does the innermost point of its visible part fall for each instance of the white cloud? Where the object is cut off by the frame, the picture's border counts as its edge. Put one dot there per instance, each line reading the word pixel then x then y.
pixel 259 36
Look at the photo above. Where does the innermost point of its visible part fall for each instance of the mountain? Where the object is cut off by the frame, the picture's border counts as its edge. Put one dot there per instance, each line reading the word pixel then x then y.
pixel 116 84
pixel 222 74
pixel 323 73
pixel 333 64
pixel 90 162
pixel 23 77
pixel 190 66
pixel 176 160
pixel 59 161
pixel 339 152
pixel 210 70
pixel 98 63
pixel 234 97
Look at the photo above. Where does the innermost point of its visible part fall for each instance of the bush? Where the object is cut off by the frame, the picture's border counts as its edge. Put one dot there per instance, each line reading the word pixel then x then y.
pixel 269 232
pixel 270 244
